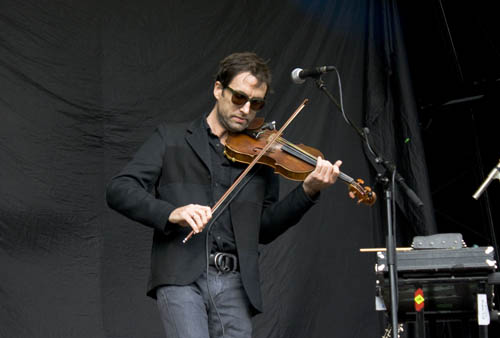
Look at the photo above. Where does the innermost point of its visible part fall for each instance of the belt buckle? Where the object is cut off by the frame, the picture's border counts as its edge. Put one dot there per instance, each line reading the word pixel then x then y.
pixel 225 262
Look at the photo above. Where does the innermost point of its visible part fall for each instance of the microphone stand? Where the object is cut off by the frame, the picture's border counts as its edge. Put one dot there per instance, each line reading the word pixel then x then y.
pixel 388 186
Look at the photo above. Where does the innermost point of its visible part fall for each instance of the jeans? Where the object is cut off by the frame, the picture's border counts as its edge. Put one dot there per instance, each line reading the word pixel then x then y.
pixel 188 312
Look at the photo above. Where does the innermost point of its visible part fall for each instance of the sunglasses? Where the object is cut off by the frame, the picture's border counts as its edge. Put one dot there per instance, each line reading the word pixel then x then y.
pixel 239 99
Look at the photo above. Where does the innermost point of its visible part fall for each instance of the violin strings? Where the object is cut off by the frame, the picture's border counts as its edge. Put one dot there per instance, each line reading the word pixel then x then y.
pixel 311 159
pixel 307 157
pixel 298 154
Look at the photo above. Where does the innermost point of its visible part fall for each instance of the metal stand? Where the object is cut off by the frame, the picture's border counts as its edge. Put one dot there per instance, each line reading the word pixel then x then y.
pixel 420 324
pixel 388 184
pixel 391 258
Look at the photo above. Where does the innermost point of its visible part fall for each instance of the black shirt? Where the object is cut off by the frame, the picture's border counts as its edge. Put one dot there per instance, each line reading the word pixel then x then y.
pixel 221 233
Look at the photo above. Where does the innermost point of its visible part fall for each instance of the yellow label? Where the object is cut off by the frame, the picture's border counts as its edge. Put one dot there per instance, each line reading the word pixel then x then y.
pixel 419 299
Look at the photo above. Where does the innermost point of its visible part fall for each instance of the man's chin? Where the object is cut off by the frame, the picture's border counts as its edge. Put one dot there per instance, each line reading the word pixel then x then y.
pixel 237 127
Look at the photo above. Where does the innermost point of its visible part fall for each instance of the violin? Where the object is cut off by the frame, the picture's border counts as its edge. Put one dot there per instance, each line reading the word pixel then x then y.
pixel 292 161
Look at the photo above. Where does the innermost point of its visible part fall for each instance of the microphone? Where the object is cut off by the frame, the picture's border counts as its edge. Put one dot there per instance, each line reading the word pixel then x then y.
pixel 494 173
pixel 299 75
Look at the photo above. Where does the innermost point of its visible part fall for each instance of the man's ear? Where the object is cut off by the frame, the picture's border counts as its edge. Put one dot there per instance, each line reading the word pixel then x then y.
pixel 218 88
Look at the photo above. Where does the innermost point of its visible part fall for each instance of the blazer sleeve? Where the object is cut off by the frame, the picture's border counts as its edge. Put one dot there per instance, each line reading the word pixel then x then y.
pixel 131 191
pixel 278 216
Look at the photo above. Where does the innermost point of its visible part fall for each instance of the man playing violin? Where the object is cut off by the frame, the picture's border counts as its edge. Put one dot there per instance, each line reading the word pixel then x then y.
pixel 209 286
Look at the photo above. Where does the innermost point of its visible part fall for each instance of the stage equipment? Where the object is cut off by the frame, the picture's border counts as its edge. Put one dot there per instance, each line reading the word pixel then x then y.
pixel 442 280
pixel 387 177
pixel 494 173
pixel 300 75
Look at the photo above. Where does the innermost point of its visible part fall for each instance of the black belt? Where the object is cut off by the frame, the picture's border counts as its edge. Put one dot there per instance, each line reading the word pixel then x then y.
pixel 224 262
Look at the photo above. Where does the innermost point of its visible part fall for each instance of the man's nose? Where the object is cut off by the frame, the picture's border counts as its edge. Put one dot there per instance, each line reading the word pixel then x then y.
pixel 245 108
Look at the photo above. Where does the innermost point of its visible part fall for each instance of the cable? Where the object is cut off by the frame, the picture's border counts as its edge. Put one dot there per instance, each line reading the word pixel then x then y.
pixel 341 97
pixel 393 185
pixel 455 55
pixel 207 237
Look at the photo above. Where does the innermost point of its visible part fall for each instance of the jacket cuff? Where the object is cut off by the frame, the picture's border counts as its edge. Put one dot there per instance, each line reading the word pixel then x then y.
pixel 304 198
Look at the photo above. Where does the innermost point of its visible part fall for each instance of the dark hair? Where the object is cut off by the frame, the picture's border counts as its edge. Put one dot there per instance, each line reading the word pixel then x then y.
pixel 237 63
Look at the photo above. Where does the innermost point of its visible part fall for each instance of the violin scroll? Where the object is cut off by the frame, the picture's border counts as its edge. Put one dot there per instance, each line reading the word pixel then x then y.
pixel 364 194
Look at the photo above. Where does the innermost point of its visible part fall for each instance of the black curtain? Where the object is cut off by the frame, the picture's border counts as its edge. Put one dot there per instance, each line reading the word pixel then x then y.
pixel 84 83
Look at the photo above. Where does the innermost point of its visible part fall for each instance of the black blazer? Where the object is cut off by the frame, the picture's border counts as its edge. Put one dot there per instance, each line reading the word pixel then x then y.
pixel 172 169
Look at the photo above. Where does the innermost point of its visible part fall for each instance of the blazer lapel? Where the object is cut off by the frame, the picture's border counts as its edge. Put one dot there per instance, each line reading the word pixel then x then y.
pixel 197 138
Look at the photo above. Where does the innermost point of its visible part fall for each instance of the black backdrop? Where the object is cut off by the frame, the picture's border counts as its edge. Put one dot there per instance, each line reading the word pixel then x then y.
pixel 83 84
